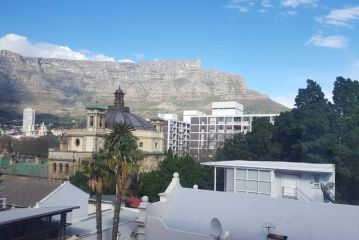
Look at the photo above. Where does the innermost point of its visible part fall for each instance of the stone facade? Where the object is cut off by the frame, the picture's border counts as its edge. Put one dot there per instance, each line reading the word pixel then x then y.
pixel 82 143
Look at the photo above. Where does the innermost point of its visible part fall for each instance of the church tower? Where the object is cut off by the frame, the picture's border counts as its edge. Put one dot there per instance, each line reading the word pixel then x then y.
pixel 95 117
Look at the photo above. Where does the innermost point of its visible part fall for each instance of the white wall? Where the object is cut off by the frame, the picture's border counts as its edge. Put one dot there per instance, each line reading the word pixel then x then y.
pixel 68 195
pixel 304 183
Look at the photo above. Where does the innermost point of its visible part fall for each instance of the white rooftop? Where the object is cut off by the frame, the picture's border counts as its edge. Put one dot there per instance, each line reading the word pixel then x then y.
pixel 273 165
pixel 246 216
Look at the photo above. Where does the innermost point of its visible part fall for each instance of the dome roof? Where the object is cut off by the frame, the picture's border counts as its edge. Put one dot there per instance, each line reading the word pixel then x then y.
pixel 119 113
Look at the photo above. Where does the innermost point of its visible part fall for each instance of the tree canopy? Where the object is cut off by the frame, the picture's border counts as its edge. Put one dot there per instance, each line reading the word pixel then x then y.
pixel 190 173
pixel 316 131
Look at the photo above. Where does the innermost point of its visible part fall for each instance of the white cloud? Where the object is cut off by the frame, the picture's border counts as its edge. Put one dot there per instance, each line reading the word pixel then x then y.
pixel 266 3
pixel 341 17
pixel 297 3
pixel 240 5
pixel 288 13
pixel 21 44
pixel 334 41
pixel 287 101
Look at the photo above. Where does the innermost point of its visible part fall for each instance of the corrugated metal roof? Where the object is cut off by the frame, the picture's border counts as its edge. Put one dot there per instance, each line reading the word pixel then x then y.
pixel 25 192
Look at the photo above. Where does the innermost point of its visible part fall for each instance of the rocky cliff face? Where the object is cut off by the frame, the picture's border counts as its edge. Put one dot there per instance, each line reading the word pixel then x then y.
pixel 58 86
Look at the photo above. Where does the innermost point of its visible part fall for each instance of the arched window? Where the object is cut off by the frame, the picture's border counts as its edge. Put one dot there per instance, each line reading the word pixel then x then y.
pixel 67 168
pixel 77 142
pixel 60 167
pixel 54 167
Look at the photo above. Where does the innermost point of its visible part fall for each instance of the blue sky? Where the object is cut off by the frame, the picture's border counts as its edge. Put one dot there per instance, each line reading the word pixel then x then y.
pixel 275 44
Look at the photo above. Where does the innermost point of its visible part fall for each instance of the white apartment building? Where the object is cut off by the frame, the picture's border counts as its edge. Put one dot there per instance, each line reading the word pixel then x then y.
pixel 28 122
pixel 176 133
pixel 209 131
pixel 291 180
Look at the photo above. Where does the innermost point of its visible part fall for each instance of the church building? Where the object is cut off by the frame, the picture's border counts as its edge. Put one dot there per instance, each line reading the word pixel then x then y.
pixel 81 143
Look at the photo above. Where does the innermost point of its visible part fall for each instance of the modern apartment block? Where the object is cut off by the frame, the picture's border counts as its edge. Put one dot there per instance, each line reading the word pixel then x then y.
pixel 176 133
pixel 209 131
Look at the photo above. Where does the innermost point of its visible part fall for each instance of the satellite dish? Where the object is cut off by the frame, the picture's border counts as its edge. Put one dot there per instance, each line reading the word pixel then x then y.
pixel 330 185
pixel 328 196
pixel 216 228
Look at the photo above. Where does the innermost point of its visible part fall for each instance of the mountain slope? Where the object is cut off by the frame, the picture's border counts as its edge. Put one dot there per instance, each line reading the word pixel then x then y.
pixel 59 86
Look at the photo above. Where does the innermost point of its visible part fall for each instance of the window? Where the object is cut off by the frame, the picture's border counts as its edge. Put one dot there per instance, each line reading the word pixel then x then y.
pixel 229 176
pixel 140 144
pixel 229 119
pixel 241 174
pixel 100 122
pixel 253 174
pixel 67 168
pixel 54 167
pixel 77 142
pixel 252 186
pixel 91 121
pixel 237 127
pixel 156 144
pixel 253 181
pixel 241 185
pixel 60 168
pixel 237 119
pixel 316 181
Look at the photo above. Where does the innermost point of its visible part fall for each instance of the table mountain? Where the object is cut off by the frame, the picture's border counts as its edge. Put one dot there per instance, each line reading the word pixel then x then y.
pixel 60 86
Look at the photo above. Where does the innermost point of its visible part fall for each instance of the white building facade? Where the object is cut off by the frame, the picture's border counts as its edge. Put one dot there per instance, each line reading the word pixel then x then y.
pixel 299 181
pixel 28 122
pixel 209 131
pixel 176 134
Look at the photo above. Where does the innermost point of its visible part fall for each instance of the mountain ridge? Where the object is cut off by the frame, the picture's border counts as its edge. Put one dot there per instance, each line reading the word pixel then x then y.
pixel 63 86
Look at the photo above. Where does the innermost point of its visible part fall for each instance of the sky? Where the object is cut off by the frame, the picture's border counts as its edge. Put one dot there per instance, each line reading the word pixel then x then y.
pixel 275 44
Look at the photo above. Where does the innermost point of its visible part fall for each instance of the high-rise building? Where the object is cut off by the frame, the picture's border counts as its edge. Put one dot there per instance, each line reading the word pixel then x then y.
pixel 28 120
pixel 208 132
pixel 176 133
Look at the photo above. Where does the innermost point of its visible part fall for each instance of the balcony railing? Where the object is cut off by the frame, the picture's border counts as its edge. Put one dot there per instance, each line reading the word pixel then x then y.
pixel 289 192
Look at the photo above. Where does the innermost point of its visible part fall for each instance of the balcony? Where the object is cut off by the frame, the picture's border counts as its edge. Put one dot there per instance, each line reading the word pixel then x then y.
pixel 289 192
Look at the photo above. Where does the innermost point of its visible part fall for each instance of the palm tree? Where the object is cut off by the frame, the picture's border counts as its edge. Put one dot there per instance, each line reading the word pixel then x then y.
pixel 98 172
pixel 122 145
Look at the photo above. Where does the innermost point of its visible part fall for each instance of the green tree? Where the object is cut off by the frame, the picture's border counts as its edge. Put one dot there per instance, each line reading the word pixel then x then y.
pixel 98 172
pixel 316 131
pixel 190 172
pixel 80 180
pixel 312 94
pixel 255 145
pixel 122 145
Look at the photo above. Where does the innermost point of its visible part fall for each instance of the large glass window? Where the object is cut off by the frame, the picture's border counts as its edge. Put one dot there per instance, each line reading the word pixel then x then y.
pixel 253 181
pixel 229 175
pixel 253 174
